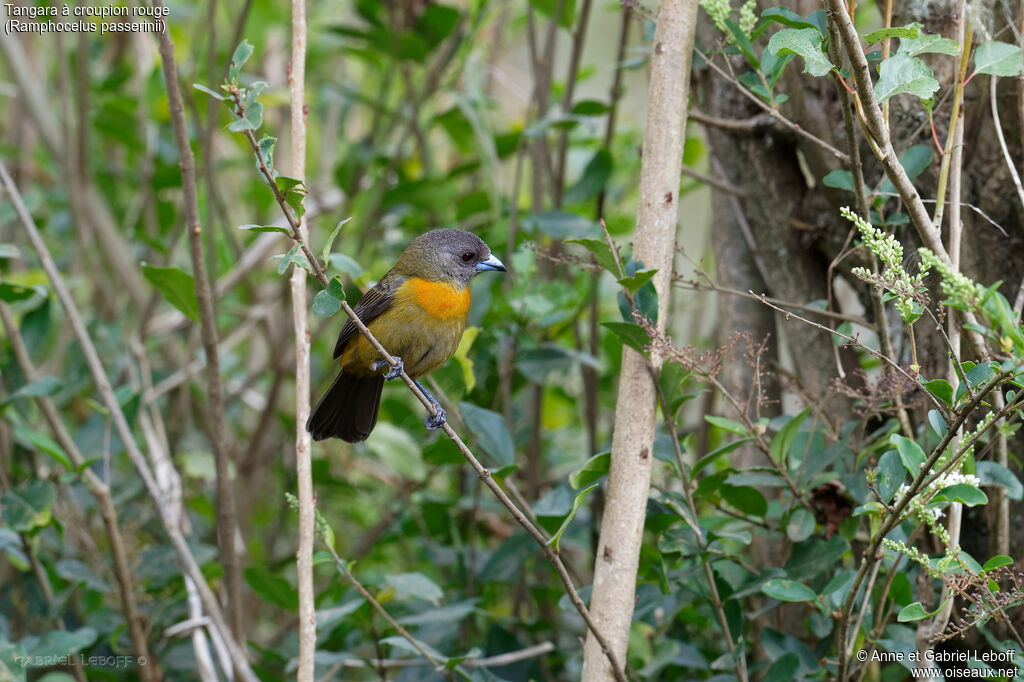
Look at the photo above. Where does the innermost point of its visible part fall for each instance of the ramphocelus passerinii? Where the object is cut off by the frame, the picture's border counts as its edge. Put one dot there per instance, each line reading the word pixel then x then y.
pixel 418 313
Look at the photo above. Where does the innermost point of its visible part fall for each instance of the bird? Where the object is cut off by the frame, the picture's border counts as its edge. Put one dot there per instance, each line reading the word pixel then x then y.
pixel 418 313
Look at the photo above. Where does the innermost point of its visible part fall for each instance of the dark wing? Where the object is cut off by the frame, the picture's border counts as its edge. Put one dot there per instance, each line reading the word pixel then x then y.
pixel 373 303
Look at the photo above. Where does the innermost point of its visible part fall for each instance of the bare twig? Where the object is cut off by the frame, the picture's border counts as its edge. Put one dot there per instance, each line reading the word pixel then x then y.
pixel 227 520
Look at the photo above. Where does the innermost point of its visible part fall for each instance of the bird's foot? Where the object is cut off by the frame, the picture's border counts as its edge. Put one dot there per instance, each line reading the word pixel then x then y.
pixel 394 372
pixel 437 421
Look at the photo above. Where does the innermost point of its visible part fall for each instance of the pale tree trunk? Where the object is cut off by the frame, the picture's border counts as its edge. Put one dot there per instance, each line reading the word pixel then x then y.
pixel 611 603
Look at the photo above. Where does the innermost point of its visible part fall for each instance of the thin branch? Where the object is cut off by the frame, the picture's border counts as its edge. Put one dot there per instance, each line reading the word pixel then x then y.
pixel 772 112
pixel 227 519
pixel 343 568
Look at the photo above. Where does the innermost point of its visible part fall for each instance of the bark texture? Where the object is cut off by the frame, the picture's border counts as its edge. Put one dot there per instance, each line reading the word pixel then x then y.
pixel 622 527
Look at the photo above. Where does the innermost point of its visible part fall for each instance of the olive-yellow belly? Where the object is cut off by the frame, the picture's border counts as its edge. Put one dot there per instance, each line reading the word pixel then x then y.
pixel 423 326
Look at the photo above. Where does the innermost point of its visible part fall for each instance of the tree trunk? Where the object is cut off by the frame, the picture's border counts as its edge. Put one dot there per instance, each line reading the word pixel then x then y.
pixel 622 528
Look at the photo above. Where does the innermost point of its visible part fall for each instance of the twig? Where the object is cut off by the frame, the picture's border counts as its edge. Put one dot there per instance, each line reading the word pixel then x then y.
pixel 343 568
pixel 740 661
pixel 227 520
pixel 771 111
pixel 92 358
pixel 853 341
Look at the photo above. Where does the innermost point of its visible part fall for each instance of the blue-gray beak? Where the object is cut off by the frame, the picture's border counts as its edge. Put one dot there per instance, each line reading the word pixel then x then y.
pixel 491 263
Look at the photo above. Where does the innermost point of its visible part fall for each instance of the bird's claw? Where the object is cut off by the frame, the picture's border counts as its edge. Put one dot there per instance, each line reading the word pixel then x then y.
pixel 436 421
pixel 394 372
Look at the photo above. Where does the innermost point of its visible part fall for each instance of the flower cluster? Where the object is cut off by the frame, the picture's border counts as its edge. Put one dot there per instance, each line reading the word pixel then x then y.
pixel 719 11
pixel 908 291
pixel 918 505
pixel 748 16
pixel 959 290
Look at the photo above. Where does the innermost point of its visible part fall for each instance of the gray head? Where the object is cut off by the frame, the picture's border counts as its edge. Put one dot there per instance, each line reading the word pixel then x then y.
pixel 448 255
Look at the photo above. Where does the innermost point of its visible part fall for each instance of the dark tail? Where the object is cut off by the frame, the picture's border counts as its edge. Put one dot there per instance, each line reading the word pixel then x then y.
pixel 348 410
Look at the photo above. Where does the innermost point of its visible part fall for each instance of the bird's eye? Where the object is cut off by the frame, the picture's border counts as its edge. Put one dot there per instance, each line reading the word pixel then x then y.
pixel 468 256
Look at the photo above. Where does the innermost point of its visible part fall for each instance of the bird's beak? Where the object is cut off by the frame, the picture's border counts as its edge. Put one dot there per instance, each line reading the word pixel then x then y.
pixel 491 263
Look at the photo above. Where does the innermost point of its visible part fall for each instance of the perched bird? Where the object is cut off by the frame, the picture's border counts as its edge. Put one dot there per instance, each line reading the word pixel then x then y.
pixel 418 313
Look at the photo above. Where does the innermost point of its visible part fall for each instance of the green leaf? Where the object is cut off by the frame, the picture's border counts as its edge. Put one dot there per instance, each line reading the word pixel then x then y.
pixel 840 179
pixel 783 440
pixel 910 453
pixel 783 668
pixel 996 562
pixel 265 228
pixel 592 470
pixel 746 499
pixel 891 475
pixel 26 506
pixel 336 289
pixel 271 588
pixel 46 386
pixel 998 59
pixel 593 180
pixel 242 54
pixel 742 42
pixel 639 279
pixel 630 334
pixel 548 8
pixel 941 389
pixel 490 431
pixel 909 32
pixel 415 586
pixel 14 292
pixel 800 525
pixel 787 17
pixel 994 473
pixel 716 453
pixel 900 74
pixel 38 441
pixel 325 255
pixel 727 424
pixel 287 184
pixel 212 93
pixel 576 504
pixel 590 107
pixel 294 255
pixel 937 423
pixel 325 305
pixel 58 643
pixel 602 252
pixel 915 611
pixel 788 590
pixel 805 42
pixel 177 286
pixel 266 145
pixel 926 43
pixel 961 492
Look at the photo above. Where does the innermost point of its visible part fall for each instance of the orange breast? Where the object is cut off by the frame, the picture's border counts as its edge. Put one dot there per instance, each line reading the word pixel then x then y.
pixel 440 300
